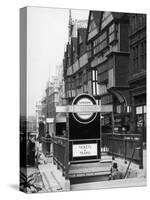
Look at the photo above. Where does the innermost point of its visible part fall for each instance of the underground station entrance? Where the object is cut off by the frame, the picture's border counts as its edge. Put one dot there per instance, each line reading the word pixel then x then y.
pixel 80 148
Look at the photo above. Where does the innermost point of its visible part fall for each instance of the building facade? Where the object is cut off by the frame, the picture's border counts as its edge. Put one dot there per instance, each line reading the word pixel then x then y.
pixel 107 40
pixel 102 60
pixel 137 81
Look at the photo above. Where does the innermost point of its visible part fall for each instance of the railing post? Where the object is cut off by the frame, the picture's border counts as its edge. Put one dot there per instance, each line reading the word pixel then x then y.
pixel 100 136
pixel 112 145
pixel 67 159
pixel 141 152
pixel 112 115
pixel 125 146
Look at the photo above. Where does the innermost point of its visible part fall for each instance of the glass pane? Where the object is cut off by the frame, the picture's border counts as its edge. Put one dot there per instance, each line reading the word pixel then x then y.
pixel 93 75
pixel 94 90
pixel 145 111
pixel 139 110
pixel 144 120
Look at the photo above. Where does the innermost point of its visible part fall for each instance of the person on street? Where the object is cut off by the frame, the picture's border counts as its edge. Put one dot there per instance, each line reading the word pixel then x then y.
pixel 115 173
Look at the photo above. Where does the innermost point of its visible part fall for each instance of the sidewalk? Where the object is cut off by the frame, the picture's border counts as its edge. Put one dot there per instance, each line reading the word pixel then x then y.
pixel 53 179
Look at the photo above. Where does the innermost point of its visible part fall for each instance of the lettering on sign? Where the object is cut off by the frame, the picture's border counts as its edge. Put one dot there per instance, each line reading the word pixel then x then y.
pixel 82 150
pixel 83 108
pixel 84 103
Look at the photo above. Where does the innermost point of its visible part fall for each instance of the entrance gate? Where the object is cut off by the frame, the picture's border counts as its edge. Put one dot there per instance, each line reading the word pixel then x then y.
pixel 80 142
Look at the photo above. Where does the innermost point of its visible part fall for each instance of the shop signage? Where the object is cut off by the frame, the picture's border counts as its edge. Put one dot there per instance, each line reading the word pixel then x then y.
pixel 82 150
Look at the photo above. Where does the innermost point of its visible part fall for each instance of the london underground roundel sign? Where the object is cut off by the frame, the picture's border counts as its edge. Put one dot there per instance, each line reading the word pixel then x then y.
pixel 83 101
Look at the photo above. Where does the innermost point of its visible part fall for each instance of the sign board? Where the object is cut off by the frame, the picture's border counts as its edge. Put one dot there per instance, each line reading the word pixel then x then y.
pixel 83 108
pixel 84 103
pixel 49 120
pixel 83 150
pixel 84 114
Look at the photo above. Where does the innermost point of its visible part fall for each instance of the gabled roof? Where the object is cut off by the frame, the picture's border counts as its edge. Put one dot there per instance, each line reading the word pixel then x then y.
pixel 97 17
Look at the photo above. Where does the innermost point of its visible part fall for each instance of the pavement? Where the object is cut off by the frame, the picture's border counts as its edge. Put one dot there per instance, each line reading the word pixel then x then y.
pixel 53 179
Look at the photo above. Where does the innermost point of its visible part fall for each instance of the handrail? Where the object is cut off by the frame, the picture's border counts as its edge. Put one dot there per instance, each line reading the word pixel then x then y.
pixel 74 140
pixel 123 145
pixel 59 137
pixel 126 134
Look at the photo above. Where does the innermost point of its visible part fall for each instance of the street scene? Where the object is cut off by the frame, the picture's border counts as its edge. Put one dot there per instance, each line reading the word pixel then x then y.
pixel 84 125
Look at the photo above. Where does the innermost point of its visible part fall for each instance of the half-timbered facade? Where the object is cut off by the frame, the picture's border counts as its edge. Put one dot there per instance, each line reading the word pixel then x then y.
pixel 107 60
pixel 107 38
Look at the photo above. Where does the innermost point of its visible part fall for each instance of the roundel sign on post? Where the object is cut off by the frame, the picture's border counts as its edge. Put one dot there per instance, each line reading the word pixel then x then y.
pixel 83 101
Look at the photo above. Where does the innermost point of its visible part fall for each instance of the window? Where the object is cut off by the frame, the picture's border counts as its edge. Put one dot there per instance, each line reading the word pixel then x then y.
pixel 133 51
pixel 102 89
pixel 89 76
pixel 135 59
pixel 100 43
pixel 73 83
pixel 77 81
pixel 92 29
pixel 142 55
pixel 85 77
pixel 118 109
pixel 140 117
pixel 137 22
pixel 89 50
pixel 112 33
pixel 94 82
pixel 133 23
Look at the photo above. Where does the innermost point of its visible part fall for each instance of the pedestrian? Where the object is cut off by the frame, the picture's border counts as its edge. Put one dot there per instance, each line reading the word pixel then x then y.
pixel 115 173
pixel 31 151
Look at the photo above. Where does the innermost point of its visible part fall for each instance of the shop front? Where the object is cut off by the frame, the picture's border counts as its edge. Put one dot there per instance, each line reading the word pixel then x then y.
pixel 139 106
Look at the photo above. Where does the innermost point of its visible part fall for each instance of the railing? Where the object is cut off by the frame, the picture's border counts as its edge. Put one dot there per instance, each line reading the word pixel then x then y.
pixel 46 139
pixel 46 144
pixel 105 148
pixel 61 153
pixel 123 145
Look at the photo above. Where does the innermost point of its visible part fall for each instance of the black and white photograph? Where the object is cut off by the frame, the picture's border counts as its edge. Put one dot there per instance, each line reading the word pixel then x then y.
pixel 83 107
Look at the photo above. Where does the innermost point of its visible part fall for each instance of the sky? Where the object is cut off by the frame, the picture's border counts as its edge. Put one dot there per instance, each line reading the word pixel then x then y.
pixel 47 34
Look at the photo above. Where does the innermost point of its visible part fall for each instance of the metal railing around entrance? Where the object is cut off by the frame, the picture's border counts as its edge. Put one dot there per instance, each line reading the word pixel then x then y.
pixel 60 153
pixel 123 145
pixel 46 145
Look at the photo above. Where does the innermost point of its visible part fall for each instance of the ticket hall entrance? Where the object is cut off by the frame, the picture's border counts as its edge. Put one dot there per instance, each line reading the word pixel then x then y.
pixel 77 150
